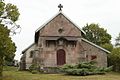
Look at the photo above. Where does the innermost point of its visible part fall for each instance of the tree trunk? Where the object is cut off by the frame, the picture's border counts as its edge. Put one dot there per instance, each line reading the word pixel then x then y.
pixel 1 67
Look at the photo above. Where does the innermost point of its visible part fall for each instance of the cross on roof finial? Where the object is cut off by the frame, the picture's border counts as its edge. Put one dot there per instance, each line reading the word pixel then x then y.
pixel 60 6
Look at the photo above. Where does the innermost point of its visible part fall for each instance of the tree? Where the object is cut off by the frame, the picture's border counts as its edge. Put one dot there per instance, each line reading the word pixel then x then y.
pixel 117 44
pixel 97 35
pixel 8 16
pixel 107 46
pixel 114 59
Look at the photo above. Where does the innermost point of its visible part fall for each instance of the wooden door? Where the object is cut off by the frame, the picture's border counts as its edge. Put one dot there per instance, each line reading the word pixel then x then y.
pixel 61 57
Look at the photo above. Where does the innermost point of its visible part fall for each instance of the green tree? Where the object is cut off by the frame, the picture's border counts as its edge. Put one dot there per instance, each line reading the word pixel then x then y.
pixel 114 59
pixel 97 35
pixel 8 16
pixel 117 44
pixel 107 46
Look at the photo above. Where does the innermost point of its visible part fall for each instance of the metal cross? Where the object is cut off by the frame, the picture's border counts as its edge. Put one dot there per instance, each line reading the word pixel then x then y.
pixel 60 6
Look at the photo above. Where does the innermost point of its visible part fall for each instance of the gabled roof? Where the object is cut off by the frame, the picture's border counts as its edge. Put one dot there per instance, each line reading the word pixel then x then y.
pixel 60 12
pixel 27 48
pixel 95 45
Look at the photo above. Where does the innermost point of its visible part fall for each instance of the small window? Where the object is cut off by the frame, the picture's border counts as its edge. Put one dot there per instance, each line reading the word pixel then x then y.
pixel 93 57
pixel 31 54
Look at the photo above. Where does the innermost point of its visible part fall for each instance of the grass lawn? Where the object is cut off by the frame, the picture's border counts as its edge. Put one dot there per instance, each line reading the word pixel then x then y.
pixel 13 74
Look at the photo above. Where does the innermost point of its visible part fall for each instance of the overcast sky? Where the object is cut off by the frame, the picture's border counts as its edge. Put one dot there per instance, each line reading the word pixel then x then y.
pixel 34 13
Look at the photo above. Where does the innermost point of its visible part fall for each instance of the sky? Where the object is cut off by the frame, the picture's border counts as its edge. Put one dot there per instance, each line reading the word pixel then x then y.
pixel 34 13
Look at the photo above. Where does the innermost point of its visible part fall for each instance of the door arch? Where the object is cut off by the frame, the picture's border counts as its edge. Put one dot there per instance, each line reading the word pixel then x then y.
pixel 61 57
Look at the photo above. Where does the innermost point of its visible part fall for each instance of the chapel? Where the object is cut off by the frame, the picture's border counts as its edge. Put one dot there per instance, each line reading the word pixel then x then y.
pixel 60 41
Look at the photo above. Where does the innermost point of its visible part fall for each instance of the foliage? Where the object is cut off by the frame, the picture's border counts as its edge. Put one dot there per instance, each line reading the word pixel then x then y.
pixel 13 74
pixel 51 70
pixel 117 44
pixel 96 34
pixel 8 15
pixel 84 68
pixel 7 47
pixel 107 46
pixel 34 68
pixel 10 68
pixel 114 59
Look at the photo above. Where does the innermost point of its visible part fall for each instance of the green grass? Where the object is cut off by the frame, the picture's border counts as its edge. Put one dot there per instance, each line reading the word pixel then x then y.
pixel 13 74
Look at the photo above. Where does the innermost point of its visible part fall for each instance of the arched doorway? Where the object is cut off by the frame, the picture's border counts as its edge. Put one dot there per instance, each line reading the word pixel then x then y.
pixel 61 57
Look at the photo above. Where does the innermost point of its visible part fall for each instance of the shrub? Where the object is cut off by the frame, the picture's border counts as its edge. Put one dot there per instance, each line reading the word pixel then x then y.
pixel 84 68
pixel 66 66
pixel 52 70
pixel 34 72
pixel 34 68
